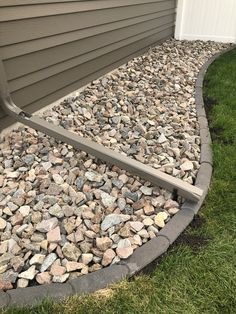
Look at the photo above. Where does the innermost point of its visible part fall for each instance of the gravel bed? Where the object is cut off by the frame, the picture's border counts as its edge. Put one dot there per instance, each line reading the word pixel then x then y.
pixel 146 108
pixel 63 213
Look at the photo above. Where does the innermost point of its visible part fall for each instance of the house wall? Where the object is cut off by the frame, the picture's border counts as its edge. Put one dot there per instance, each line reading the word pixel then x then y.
pixel 206 20
pixel 52 47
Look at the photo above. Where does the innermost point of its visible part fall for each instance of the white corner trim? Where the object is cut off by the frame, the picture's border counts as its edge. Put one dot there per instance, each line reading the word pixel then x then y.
pixel 179 19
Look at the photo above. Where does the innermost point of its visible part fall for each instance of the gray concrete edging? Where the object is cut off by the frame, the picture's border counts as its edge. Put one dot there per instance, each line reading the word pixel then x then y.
pixel 147 253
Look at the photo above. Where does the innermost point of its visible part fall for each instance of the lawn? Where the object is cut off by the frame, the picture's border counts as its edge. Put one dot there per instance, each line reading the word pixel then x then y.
pixel 198 274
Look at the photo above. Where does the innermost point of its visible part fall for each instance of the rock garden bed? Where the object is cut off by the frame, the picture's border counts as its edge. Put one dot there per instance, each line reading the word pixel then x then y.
pixel 64 213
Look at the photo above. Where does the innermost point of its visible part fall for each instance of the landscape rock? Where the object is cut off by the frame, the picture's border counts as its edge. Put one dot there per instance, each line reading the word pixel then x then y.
pixel 24 210
pixel 5 285
pixel 170 204
pixel 136 226
pixel 112 220
pixel 107 200
pixel 86 258
pixel 71 252
pixel 60 279
pixel 108 256
pixel 47 225
pixel 103 243
pixel 160 219
pixel 124 252
pixel 146 190
pixel 57 179
pixel 186 166
pixel 54 235
pixel 29 273
pixel 48 261
pixel 173 210
pixel 22 283
pixel 72 266
pixel 149 209
pixel 3 224
pixel 37 259
pixel 43 278
pixel 93 176
pixel 56 211
pixel 66 213
pixel 57 270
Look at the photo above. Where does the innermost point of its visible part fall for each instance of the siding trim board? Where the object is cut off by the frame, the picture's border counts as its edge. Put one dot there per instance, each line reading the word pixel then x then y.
pixel 18 49
pixel 67 55
pixel 46 73
pixel 44 87
pixel 47 9
pixel 27 47
pixel 9 3
pixel 49 56
pixel 29 29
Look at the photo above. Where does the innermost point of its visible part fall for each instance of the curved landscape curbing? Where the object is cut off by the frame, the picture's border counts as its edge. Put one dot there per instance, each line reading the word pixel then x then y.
pixel 147 253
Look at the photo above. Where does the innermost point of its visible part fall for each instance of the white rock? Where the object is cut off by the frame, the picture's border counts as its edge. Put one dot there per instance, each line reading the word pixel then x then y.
pixel 108 256
pixel 29 273
pixel 71 252
pixel 146 190
pixel 86 258
pixel 22 283
pixel 148 209
pixel 3 224
pixel 37 259
pixel 113 220
pixel 57 179
pixel 72 266
pixel 43 278
pixel 47 225
pixel 161 139
pixel 148 222
pixel 124 252
pixel 136 225
pixel 13 175
pixel 108 200
pixel 171 203
pixel 56 211
pixel 47 165
pixel 159 201
pixel 124 178
pixel 186 166
pixel 24 210
pixel 137 239
pixel 124 243
pixel 173 210
pixel 93 176
pixel 60 279
pixel 160 219
pixel 48 261
pixel 103 243
pixel 54 235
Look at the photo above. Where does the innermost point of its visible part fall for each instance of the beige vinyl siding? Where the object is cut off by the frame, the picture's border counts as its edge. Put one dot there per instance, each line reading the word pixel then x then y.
pixel 51 48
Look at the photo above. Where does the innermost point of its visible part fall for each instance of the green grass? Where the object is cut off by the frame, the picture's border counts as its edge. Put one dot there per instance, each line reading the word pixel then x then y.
pixel 187 280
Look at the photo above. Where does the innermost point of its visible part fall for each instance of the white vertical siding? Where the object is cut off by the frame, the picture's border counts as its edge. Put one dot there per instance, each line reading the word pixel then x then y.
pixel 206 20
